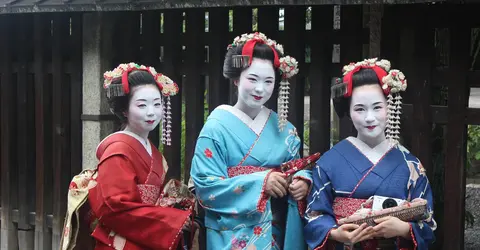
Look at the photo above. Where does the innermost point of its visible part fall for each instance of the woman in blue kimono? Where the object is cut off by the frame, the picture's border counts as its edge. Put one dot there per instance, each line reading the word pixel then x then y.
pixel 248 202
pixel 371 165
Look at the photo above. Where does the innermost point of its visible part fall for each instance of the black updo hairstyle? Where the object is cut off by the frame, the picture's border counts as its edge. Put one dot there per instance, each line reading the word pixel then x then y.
pixel 260 51
pixel 360 78
pixel 119 104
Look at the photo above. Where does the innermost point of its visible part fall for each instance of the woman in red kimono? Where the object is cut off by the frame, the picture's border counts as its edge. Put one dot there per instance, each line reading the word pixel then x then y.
pixel 131 171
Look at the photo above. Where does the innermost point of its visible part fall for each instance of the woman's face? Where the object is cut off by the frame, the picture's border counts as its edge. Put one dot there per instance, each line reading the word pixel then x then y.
pixel 256 83
pixel 145 109
pixel 368 110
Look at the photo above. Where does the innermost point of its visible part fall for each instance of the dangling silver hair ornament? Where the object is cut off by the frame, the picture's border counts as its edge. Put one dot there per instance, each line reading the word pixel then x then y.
pixel 167 87
pixel 287 66
pixel 392 82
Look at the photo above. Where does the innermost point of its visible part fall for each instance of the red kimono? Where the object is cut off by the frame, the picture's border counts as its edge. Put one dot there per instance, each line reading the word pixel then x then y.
pixel 129 183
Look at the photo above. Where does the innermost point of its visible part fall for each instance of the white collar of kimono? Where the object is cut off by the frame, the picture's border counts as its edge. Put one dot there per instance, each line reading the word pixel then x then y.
pixel 146 144
pixel 373 154
pixel 256 124
pixel 147 147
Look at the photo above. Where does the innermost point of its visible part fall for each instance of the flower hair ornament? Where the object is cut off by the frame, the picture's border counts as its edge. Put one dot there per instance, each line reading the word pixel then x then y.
pixel 392 82
pixel 165 84
pixel 287 66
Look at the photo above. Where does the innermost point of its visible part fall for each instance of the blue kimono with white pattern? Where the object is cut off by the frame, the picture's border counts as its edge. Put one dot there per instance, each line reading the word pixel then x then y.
pixel 397 174
pixel 233 158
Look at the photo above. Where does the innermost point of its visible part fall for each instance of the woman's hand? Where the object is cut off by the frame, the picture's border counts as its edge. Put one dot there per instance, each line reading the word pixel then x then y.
pixel 276 185
pixel 389 227
pixel 298 189
pixel 352 233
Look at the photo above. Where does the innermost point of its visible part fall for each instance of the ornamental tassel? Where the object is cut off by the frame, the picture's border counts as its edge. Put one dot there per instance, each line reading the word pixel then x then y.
pixel 391 122
pixel 282 105
pixel 168 122
pixel 164 122
pixel 398 107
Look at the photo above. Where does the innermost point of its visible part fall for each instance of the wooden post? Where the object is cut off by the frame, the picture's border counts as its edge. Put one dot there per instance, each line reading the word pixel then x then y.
pixel 43 238
pixel 295 27
pixel 8 231
pixel 61 129
pixel 195 84
pixel 23 135
pixel 319 76
pixel 454 206
pixel 171 64
pixel 218 85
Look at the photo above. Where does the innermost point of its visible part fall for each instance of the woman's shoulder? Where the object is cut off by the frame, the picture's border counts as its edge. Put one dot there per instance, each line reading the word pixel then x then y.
pixel 117 144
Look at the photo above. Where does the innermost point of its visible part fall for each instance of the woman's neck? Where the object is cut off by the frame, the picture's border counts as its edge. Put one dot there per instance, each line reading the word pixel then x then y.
pixel 251 112
pixel 372 142
pixel 143 135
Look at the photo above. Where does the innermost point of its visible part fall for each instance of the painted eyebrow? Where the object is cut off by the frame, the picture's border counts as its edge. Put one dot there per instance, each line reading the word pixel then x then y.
pixel 143 100
pixel 251 74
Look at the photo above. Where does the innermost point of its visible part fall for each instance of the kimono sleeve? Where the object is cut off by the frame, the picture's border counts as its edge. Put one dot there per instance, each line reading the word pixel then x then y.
pixel 319 215
pixel 217 192
pixel 294 145
pixel 117 203
pixel 422 232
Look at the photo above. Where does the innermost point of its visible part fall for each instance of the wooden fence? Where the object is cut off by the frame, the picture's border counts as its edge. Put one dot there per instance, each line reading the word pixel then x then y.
pixel 41 90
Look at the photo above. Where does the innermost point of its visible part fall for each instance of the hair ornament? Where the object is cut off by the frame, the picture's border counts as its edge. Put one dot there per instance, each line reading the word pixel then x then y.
pixel 287 65
pixel 392 82
pixel 166 85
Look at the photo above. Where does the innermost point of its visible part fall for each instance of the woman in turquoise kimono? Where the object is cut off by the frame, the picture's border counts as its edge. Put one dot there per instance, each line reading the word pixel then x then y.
pixel 371 166
pixel 248 202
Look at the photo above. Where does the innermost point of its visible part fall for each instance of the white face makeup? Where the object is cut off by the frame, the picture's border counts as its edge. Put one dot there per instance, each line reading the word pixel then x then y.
pixel 144 110
pixel 256 83
pixel 368 110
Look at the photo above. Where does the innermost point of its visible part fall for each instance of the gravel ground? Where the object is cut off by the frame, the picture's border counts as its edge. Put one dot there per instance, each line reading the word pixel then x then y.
pixel 472 234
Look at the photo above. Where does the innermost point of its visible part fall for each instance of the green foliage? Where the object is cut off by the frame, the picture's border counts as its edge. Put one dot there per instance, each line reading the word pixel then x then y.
pixel 473 145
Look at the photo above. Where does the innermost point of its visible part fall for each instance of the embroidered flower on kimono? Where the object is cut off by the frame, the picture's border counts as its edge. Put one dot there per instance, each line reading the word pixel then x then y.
pixel 238 190
pixel 211 197
pixel 257 230
pixel 208 153
pixel 292 142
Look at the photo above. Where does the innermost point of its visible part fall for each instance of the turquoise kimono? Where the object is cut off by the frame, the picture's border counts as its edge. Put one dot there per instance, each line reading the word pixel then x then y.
pixel 233 158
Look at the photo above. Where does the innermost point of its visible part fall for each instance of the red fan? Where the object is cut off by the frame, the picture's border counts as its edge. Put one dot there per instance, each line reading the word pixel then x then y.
pixel 291 167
